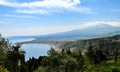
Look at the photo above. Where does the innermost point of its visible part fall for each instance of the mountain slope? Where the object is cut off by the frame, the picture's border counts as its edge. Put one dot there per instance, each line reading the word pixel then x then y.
pixel 100 30
pixel 94 31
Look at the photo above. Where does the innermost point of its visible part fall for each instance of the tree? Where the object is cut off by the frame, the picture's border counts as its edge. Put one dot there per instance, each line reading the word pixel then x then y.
pixel 60 62
pixel 95 54
pixel 2 69
pixel 5 46
pixel 41 69
pixel 52 52
pixel 90 55
pixel 15 57
pixel 32 64
pixel 72 65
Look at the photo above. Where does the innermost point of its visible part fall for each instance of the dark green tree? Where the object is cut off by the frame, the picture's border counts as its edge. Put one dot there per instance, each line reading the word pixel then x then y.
pixel 15 57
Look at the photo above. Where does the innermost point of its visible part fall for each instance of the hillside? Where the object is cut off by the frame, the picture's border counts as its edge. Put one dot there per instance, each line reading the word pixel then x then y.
pixel 82 44
pixel 101 30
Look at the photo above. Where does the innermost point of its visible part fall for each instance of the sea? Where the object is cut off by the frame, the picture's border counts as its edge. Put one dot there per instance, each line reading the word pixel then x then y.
pixel 32 49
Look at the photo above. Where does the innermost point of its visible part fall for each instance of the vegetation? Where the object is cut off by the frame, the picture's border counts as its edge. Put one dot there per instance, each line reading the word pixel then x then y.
pixel 10 55
pixel 61 62
pixel 98 55
pixel 92 55
pixel 82 44
pixel 2 69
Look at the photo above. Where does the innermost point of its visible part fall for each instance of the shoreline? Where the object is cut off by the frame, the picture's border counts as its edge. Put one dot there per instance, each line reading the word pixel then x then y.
pixel 53 44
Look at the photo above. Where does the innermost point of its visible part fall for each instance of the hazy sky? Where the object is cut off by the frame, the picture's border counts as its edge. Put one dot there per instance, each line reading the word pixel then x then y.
pixel 37 17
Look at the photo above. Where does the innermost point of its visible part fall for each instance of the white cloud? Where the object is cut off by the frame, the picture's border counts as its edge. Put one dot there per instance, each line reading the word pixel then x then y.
pixel 51 29
pixel 111 23
pixel 45 6
pixel 114 23
pixel 18 16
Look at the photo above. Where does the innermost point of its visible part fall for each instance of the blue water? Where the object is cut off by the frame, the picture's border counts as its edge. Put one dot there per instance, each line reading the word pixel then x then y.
pixel 32 49
pixel 35 50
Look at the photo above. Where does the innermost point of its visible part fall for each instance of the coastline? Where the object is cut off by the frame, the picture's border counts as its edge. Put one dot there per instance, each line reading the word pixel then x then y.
pixel 54 44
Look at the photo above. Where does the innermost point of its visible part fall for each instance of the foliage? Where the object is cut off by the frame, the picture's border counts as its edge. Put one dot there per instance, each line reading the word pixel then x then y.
pixel 41 69
pixel 33 63
pixel 105 43
pixel 60 62
pixel 4 48
pixel 103 67
pixel 100 55
pixel 95 55
pixel 22 68
pixel 15 57
pixel 2 69
pixel 10 55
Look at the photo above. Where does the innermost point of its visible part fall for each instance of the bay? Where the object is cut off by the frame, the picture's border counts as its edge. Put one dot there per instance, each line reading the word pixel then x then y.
pixel 32 49
pixel 35 50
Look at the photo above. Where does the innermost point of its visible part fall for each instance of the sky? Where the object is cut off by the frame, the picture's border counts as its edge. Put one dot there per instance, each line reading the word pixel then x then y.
pixel 39 17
